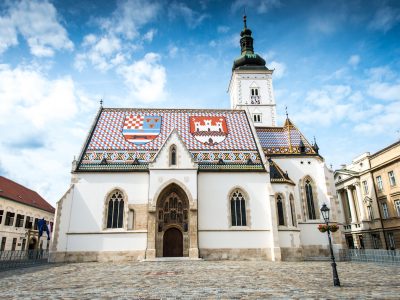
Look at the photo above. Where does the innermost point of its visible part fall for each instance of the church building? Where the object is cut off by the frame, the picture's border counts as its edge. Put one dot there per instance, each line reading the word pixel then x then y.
pixel 198 183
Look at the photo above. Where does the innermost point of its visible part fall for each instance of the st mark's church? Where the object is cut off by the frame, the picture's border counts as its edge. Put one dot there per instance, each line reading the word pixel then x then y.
pixel 198 183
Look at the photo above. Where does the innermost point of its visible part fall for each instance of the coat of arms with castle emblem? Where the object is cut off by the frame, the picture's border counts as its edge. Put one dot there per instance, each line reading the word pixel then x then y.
pixel 208 130
pixel 140 130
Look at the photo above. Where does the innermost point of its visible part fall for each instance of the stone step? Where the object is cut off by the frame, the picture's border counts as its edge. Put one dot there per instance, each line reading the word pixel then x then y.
pixel 173 259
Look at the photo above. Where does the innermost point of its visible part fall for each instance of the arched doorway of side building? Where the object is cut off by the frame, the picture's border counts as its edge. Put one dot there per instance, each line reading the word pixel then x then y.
pixel 172 223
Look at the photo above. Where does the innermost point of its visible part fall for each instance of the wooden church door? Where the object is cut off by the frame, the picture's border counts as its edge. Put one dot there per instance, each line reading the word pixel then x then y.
pixel 173 243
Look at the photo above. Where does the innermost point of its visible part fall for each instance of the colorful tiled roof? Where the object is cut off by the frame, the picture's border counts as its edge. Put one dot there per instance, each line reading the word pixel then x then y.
pixel 286 140
pixel 116 143
pixel 16 192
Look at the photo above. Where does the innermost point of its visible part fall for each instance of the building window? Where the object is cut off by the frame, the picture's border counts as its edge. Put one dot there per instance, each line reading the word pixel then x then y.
pixel 172 160
pixel 385 210
pixel 3 243
pixel 1 216
pixel 392 179
pixel 23 244
pixel 9 219
pixel 28 222
pixel 20 221
pixel 376 241
pixel 392 244
pixel 397 207
pixel 115 214
pixel 310 201
pixel 280 210
pixel 14 244
pixel 370 213
pixel 379 183
pixel 35 224
pixel 365 185
pixel 238 209
pixel 257 118
pixel 292 210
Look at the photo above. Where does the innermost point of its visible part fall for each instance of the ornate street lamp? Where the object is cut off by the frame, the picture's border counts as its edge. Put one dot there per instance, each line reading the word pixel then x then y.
pixel 325 215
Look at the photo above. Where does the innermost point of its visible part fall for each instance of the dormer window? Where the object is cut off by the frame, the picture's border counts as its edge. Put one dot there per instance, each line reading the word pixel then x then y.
pixel 257 118
pixel 172 156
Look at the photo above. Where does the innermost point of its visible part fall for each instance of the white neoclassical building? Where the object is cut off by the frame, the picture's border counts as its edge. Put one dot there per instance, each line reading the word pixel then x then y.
pixel 214 184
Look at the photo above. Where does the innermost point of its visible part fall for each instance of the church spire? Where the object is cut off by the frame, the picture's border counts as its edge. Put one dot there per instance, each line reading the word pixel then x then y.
pixel 247 58
pixel 246 42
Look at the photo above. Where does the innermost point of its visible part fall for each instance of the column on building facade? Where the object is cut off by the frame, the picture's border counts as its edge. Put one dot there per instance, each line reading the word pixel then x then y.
pixel 342 215
pixel 351 203
pixel 360 201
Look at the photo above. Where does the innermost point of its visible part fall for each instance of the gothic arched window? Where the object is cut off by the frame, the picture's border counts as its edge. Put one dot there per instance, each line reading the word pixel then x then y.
pixel 115 213
pixel 292 210
pixel 310 200
pixel 238 209
pixel 172 156
pixel 280 210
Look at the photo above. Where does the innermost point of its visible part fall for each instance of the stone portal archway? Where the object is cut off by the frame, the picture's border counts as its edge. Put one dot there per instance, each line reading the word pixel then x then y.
pixel 172 222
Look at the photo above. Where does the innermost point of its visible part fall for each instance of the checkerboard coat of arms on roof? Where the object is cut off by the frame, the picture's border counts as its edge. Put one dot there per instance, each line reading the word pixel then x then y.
pixel 208 130
pixel 140 129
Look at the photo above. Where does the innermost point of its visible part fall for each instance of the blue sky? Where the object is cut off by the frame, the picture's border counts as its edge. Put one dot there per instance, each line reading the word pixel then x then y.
pixel 337 69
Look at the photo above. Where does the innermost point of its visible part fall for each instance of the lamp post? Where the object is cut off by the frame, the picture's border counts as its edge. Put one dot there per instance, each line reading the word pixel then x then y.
pixel 325 215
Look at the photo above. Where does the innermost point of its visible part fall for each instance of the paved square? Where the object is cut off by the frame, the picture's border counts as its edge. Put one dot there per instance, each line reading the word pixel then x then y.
pixel 201 279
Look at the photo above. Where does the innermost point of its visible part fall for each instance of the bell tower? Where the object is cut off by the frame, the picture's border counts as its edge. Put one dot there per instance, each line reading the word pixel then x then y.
pixel 250 87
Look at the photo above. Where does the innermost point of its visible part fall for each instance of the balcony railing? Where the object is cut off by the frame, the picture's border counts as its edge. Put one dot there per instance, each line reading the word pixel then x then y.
pixel 22 258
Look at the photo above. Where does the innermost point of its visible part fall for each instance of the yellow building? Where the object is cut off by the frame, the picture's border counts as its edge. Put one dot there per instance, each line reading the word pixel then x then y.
pixel 368 191
pixel 20 211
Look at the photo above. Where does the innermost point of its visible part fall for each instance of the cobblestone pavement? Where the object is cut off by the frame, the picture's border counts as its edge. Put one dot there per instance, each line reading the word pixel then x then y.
pixel 201 279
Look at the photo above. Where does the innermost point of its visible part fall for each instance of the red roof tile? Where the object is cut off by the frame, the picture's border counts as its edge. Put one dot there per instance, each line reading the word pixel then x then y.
pixel 14 191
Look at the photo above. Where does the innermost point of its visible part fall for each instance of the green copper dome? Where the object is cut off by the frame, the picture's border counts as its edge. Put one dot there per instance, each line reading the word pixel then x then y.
pixel 248 59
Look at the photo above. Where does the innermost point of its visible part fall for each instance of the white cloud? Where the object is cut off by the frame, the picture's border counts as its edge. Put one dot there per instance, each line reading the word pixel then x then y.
pixel 261 6
pixel 354 60
pixel 113 47
pixel 130 16
pixel 385 91
pixel 37 23
pixel 146 78
pixel 280 69
pixel 43 122
pixel 149 35
pixel 223 29
pixel 8 34
pixel 191 17
pixel 385 19
pixel 102 52
pixel 172 51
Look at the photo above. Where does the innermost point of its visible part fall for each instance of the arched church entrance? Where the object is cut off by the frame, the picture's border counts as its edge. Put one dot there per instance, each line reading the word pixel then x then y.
pixel 172 235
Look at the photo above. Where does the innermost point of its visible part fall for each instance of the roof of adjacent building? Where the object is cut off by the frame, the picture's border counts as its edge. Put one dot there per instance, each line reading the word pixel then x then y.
pixel 285 140
pixel 277 175
pixel 16 192
pixel 112 145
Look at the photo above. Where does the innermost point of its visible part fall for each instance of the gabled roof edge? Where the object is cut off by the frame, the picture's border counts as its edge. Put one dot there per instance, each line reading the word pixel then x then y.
pixel 88 138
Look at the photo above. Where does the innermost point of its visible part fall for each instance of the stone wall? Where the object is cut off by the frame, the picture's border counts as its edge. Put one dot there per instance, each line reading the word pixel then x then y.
pixel 236 254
